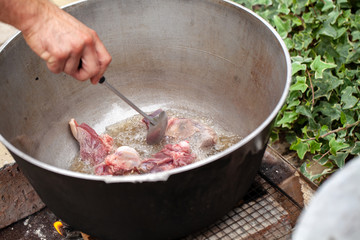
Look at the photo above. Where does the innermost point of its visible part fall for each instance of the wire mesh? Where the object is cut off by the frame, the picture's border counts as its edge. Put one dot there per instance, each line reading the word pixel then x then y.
pixel 265 213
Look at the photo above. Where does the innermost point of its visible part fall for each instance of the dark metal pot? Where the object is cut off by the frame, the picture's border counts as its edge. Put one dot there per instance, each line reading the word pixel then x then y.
pixel 209 56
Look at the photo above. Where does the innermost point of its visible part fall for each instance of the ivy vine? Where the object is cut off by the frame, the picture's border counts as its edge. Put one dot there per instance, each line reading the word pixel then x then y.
pixel 321 116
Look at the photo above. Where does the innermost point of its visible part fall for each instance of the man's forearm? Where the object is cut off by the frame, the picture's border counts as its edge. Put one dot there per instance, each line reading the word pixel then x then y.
pixel 58 38
pixel 23 13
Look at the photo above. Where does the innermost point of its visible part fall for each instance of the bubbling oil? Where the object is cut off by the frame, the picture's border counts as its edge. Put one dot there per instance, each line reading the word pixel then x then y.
pixel 132 132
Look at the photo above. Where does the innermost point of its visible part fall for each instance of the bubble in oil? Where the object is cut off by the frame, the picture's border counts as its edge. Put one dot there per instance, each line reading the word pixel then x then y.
pixel 78 165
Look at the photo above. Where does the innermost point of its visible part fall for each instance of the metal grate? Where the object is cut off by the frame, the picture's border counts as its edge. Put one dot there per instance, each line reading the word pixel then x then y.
pixel 265 213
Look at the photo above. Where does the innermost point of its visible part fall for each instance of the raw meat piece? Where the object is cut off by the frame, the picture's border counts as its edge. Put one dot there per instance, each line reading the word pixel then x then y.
pixel 99 152
pixel 93 148
pixel 181 128
pixel 125 160
pixel 198 134
pixel 171 156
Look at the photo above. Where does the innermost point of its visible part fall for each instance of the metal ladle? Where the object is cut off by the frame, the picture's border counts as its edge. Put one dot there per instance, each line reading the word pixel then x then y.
pixel 157 124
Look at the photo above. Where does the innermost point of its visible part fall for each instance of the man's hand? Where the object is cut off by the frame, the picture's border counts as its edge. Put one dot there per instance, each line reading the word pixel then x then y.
pixel 61 40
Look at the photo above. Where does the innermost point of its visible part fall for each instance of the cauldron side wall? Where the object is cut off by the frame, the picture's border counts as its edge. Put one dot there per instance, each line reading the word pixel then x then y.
pixel 186 202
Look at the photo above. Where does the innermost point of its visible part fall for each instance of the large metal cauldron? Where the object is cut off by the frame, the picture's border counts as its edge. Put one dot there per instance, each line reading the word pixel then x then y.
pixel 208 56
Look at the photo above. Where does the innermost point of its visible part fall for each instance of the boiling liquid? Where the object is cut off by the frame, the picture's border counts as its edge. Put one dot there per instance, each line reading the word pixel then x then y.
pixel 132 132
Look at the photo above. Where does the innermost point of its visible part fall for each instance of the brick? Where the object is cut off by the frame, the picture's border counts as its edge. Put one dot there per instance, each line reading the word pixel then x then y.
pixel 17 197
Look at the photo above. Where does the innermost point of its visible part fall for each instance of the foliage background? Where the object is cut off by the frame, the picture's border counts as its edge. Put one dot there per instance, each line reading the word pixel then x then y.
pixel 321 117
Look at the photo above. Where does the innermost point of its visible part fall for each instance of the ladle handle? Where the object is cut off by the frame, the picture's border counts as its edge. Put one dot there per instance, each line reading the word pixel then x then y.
pixel 109 86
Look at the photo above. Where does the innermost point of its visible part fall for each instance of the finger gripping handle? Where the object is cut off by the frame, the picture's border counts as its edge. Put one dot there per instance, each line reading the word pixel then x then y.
pixel 102 79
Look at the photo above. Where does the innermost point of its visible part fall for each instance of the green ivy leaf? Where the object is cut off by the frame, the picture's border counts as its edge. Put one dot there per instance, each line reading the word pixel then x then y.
pixel 319 66
pixel 287 118
pixel 356 149
pixel 343 3
pixel 300 147
pixel 302 40
pixel 344 19
pixel 328 30
pixel 299 6
pixel 295 20
pixel 308 17
pixel 297 66
pixel 299 85
pixel 289 43
pixel 293 104
pixel 355 35
pixel 304 170
pixel 333 111
pixel 314 146
pixel 340 32
pixel 284 9
pixel 321 159
pixel 326 85
pixel 304 110
pixel 328 5
pixel 293 99
pixel 332 16
pixel 343 118
pixel 313 177
pixel 339 159
pixel 347 98
pixel 336 146
pixel 343 51
pixel 282 27
pixel 353 56
pixel 347 117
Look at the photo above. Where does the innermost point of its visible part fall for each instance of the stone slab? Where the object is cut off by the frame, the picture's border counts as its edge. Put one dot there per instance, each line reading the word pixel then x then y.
pixel 17 197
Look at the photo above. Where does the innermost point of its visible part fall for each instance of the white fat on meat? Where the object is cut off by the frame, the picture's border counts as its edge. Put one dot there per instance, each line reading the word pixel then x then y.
pixel 123 161
pixel 127 156
pixel 73 127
